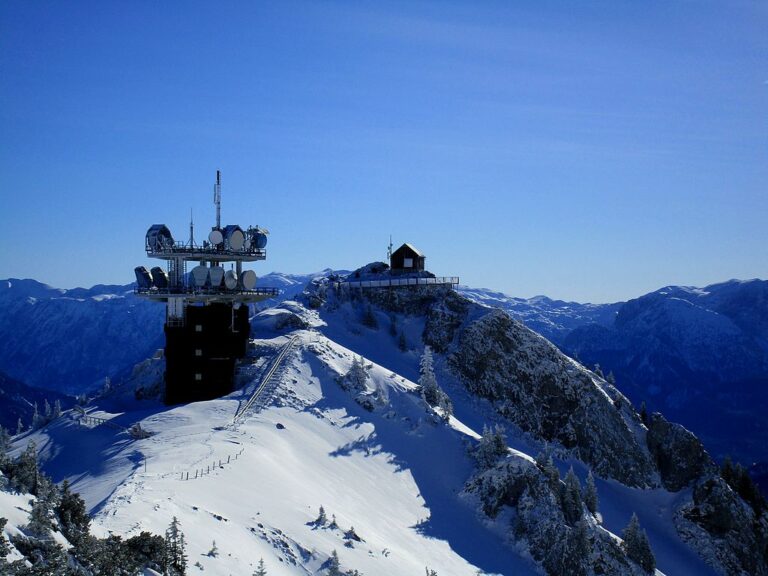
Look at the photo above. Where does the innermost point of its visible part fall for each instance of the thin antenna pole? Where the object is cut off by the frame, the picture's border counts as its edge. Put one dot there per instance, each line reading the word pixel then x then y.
pixel 217 198
pixel 191 229
pixel 389 248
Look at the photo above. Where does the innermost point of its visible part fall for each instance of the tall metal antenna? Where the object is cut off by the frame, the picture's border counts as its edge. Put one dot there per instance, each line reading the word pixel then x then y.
pixel 217 198
pixel 191 229
pixel 389 249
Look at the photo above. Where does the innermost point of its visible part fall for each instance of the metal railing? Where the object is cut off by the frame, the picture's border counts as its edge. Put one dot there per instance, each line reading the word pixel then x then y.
pixel 395 282
pixel 195 291
pixel 255 396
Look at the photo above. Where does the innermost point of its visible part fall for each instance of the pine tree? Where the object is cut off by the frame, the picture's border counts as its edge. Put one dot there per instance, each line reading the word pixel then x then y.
pixel 402 344
pixel 611 379
pixel 357 378
pixel 321 519
pixel 37 420
pixel 260 569
pixel 429 572
pixel 47 410
pixel 590 494
pixel 576 550
pixel 26 471
pixel 571 498
pixel 73 515
pixel 430 390
pixel 39 518
pixel 4 547
pixel 491 447
pixel 598 370
pixel 175 549
pixel 214 551
pixel 637 547
pixel 19 427
pixel 57 408
pixel 548 468
pixel 333 525
pixel 5 447
pixel 333 565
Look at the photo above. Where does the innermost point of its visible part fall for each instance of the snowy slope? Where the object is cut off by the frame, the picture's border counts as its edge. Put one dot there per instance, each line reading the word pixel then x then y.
pixel 394 474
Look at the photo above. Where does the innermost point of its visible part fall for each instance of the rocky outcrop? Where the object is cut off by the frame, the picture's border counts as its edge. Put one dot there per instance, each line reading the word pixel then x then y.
pixel 522 488
pixel 724 529
pixel 551 397
pixel 679 455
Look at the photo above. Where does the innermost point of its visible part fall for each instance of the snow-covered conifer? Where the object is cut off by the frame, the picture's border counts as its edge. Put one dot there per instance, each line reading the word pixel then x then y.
pixel 333 566
pixel 356 379
pixel 429 572
pixel 19 427
pixel 590 494
pixel 260 569
pixel 4 548
pixel 571 498
pixel 430 390
pixel 5 447
pixel 547 466
pixel 40 518
pixel 491 447
pixel 73 515
pixel 321 519
pixel 214 551
pixel 37 419
pixel 57 408
pixel 26 470
pixel 333 525
pixel 637 547
pixel 175 549
pixel 47 410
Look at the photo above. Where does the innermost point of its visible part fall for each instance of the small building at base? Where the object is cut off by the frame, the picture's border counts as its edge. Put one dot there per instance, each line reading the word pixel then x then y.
pixel 406 259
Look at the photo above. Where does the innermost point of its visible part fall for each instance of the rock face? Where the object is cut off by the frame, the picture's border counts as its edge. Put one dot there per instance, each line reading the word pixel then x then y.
pixel 551 397
pixel 535 502
pixel 679 455
pixel 724 529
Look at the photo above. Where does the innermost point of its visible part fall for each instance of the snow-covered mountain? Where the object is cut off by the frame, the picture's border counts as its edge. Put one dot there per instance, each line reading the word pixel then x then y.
pixel 71 340
pixel 18 402
pixel 700 355
pixel 342 425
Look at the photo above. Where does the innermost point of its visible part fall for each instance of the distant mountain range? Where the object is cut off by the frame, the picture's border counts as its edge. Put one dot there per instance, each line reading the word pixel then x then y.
pixel 700 355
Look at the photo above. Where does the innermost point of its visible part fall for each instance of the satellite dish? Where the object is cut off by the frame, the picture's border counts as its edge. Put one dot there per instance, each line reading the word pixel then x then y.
pixel 234 237
pixel 216 274
pixel 200 276
pixel 159 277
pixel 143 277
pixel 249 279
pixel 230 279
pixel 216 237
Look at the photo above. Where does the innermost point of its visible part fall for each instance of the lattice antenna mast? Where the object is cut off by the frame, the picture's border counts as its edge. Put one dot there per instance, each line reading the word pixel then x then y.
pixel 217 198
pixel 389 249
pixel 191 229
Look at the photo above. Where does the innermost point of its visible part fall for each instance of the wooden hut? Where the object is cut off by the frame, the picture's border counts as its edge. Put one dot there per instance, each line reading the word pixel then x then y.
pixel 406 259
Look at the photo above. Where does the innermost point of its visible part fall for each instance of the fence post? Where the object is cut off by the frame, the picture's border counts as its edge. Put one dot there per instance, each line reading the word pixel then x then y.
pixel 227 459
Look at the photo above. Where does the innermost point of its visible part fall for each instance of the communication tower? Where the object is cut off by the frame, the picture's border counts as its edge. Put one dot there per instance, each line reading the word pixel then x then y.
pixel 206 321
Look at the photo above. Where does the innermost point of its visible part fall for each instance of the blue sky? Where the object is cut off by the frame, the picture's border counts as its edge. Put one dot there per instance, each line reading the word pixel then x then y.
pixel 588 151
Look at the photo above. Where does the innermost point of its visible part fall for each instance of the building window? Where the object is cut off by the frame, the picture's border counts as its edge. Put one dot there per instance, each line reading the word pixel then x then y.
pixel 198 327
pixel 198 376
pixel 407 262
pixel 198 352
